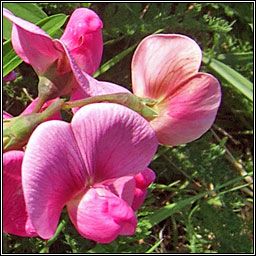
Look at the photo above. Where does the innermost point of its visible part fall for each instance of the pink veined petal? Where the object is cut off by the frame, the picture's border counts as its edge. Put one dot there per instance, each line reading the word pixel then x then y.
pixel 32 44
pixel 162 63
pixel 188 114
pixel 31 106
pixel 114 140
pixel 101 216
pixel 15 217
pixel 83 39
pixel 95 88
pixel 52 173
pixel 123 187
pixel 143 180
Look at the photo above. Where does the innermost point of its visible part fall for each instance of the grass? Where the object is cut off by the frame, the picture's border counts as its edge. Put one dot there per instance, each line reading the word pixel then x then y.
pixel 202 198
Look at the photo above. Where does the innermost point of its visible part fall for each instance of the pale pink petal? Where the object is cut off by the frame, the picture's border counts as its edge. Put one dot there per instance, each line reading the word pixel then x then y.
pixel 31 106
pixel 101 216
pixel 52 173
pixel 143 180
pixel 162 63
pixel 31 43
pixel 83 39
pixel 187 115
pixel 94 87
pixel 15 217
pixel 114 140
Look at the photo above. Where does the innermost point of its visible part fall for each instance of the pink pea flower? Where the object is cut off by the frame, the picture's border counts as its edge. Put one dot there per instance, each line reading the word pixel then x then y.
pixel 82 38
pixel 165 69
pixel 15 217
pixel 89 166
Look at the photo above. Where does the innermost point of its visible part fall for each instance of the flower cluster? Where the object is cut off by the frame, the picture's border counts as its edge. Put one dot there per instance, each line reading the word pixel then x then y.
pixel 97 165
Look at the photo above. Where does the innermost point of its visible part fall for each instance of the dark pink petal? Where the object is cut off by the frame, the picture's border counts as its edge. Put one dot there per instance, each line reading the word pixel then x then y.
pixel 15 217
pixel 143 180
pixel 187 115
pixel 52 173
pixel 162 63
pixel 6 115
pixel 114 140
pixel 101 216
pixel 83 39
pixel 31 43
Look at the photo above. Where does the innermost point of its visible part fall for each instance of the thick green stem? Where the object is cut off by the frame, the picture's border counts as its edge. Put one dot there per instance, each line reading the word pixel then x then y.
pixel 140 105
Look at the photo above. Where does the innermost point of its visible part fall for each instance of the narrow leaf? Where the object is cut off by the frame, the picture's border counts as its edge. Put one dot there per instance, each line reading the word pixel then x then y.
pixel 112 62
pixel 231 76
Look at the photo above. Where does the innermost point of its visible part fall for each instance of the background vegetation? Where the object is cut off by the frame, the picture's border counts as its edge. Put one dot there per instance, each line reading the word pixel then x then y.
pixel 202 199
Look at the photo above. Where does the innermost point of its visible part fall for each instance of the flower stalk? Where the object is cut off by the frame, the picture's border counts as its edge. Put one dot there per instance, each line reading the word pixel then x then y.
pixel 17 130
pixel 139 105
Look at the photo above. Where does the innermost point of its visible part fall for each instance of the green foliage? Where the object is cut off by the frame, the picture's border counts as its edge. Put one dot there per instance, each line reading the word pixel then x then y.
pixel 199 202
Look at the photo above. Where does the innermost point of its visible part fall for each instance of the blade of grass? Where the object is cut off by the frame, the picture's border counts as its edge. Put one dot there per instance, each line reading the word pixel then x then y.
pixel 236 58
pixel 170 209
pixel 112 62
pixel 231 76
pixel 154 246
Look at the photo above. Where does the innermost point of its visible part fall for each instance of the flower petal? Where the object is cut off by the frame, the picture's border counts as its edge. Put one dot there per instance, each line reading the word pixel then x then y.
pixel 83 39
pixel 101 216
pixel 32 44
pixel 143 180
pixel 162 63
pixel 6 115
pixel 114 140
pixel 123 187
pixel 52 173
pixel 187 115
pixel 15 217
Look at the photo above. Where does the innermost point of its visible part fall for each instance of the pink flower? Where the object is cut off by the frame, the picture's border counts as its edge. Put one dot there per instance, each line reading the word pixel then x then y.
pixel 82 38
pixel 89 165
pixel 165 69
pixel 15 217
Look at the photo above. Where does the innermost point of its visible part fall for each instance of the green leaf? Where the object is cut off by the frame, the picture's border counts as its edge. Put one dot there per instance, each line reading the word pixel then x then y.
pixel 231 76
pixel 112 62
pixel 236 58
pixel 53 23
pixel 27 11
pixel 168 210
pixel 50 25
pixel 154 246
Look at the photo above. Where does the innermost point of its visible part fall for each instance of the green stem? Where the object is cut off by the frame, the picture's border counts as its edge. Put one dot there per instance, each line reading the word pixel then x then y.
pixel 140 105
pixel 53 239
